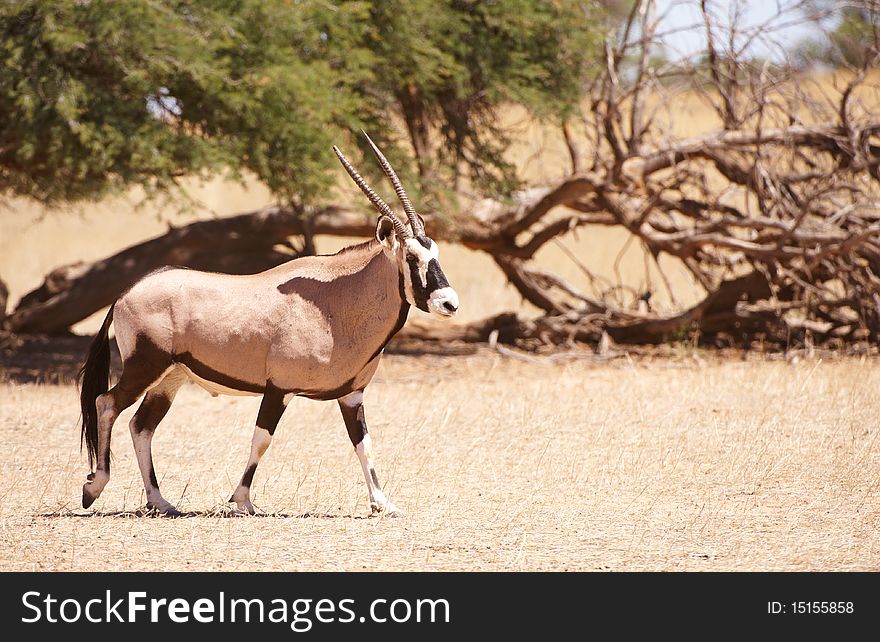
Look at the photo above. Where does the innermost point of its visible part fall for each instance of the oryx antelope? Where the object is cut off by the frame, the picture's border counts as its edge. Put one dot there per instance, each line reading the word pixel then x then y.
pixel 314 327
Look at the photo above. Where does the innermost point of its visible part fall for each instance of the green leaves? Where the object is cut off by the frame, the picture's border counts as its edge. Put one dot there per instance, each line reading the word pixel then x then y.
pixel 451 64
pixel 97 95
pixel 74 117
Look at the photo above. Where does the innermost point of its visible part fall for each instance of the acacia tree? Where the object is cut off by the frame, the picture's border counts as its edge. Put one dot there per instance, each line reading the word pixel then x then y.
pixel 773 213
pixel 448 66
pixel 100 95
pixel 854 34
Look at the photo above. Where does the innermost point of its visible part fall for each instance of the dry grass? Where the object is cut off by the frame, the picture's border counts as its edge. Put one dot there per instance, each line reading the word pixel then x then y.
pixel 34 240
pixel 500 465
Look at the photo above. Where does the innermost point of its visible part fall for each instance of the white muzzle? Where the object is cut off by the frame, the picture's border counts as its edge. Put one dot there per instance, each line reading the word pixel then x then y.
pixel 443 302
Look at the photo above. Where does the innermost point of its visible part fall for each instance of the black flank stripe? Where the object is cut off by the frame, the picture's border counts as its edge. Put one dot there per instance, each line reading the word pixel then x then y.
pixel 219 378
pixel 326 395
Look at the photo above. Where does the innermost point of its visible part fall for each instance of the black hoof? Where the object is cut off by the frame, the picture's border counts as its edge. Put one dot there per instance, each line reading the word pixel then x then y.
pixel 248 511
pixel 170 512
pixel 88 500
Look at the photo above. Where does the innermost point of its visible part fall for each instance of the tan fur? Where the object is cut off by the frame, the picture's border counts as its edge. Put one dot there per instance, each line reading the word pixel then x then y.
pixel 312 327
pixel 306 325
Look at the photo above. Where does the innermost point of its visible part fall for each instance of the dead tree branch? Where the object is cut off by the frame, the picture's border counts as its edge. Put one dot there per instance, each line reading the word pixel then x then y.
pixel 775 213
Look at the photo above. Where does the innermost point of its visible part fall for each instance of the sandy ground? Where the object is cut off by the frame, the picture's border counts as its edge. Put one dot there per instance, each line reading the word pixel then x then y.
pixel 681 464
pixel 35 240
pixel 687 463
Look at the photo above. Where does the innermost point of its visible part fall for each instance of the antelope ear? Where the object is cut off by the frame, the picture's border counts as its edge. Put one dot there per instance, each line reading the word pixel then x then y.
pixel 386 234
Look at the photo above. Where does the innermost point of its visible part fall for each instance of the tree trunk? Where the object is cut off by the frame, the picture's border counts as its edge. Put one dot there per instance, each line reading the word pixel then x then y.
pixel 4 297
pixel 417 127
pixel 242 244
pixel 705 316
pixel 575 153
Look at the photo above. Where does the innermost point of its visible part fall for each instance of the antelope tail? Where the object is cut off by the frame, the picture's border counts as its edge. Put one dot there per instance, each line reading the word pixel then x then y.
pixel 94 380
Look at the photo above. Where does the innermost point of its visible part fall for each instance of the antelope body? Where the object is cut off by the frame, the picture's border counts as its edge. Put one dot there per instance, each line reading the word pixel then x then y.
pixel 314 327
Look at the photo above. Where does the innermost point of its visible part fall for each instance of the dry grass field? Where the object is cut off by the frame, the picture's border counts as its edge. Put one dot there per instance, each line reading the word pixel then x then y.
pixel 689 462
pixel 676 464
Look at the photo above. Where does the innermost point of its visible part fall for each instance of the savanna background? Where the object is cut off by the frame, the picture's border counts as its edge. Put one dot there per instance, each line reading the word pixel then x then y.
pixel 660 217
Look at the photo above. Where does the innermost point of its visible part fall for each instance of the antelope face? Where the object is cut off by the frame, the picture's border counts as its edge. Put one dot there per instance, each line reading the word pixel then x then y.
pixel 425 285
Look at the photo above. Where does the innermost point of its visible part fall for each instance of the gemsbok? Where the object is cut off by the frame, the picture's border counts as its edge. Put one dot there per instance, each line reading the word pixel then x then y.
pixel 314 327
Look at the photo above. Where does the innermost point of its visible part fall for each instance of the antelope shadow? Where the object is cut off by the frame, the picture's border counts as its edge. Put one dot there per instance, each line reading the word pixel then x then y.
pixel 215 513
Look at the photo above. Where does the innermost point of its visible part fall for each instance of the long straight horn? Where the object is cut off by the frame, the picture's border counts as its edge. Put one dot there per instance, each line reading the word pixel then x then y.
pixel 375 199
pixel 414 220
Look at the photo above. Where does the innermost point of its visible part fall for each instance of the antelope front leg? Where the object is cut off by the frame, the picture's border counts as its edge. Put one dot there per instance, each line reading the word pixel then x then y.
pixel 352 407
pixel 271 409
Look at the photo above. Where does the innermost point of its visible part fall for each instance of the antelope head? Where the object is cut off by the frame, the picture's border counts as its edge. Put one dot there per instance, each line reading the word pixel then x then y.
pixel 417 256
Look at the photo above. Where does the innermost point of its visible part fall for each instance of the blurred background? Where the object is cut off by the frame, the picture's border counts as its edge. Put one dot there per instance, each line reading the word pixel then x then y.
pixel 661 218
pixel 596 172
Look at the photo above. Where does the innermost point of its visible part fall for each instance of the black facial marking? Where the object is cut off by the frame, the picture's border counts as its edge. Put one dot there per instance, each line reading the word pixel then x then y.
pixel 401 288
pixel 248 477
pixel 436 278
pixel 209 374
pixel 271 408
pixel 375 477
pixel 420 293
pixel 355 422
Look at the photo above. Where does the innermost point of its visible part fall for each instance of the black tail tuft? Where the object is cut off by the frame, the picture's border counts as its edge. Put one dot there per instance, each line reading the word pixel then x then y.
pixel 94 380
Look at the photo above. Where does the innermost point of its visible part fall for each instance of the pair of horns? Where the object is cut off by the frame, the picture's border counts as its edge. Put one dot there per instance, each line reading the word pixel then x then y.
pixel 418 229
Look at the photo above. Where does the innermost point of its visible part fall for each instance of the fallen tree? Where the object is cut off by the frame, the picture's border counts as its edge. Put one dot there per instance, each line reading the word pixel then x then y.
pixel 4 296
pixel 774 214
pixel 240 244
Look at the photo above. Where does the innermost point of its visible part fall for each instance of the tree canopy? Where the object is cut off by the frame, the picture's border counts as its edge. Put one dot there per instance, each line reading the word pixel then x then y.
pixel 852 38
pixel 98 95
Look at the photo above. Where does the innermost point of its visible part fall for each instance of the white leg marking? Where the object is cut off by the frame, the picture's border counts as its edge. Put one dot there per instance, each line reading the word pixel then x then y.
pixel 379 503
pixel 143 451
